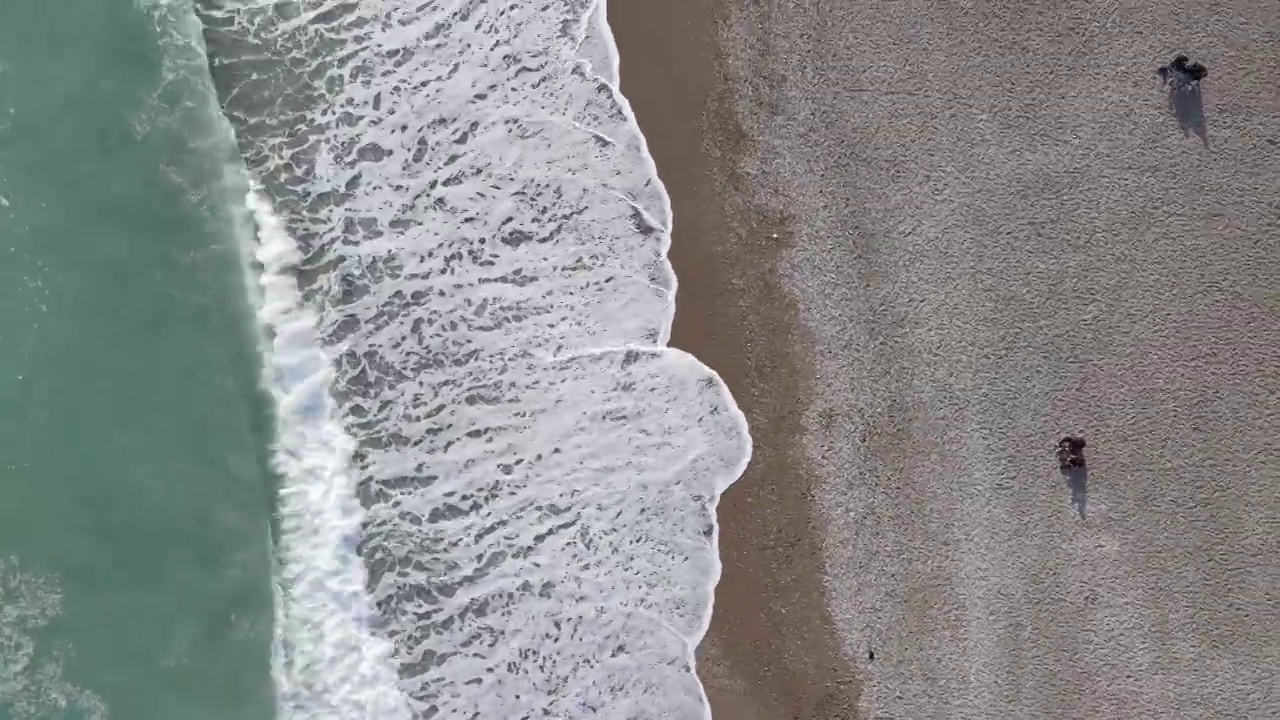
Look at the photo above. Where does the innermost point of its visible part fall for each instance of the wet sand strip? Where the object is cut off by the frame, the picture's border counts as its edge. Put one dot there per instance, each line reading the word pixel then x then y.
pixel 770 652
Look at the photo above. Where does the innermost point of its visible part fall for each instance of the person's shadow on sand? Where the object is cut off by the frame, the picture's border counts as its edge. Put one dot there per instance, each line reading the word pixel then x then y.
pixel 1181 78
pixel 1072 466
pixel 1078 481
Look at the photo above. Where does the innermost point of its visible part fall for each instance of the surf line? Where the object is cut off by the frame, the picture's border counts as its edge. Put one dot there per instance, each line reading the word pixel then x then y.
pixel 328 662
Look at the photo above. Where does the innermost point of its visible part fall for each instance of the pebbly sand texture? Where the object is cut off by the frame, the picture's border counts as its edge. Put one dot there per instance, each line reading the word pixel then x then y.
pixel 992 232
pixel 771 651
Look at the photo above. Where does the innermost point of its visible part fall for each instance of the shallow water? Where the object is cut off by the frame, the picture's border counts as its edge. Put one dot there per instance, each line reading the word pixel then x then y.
pixel 480 238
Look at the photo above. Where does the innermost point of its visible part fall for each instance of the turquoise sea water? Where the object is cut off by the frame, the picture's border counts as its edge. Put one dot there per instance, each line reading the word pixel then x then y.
pixel 135 496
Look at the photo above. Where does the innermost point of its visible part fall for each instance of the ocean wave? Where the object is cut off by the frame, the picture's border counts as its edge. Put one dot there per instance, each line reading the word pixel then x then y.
pixel 477 405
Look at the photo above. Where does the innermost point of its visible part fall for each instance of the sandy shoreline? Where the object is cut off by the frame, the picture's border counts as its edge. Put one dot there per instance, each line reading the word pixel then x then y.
pixel 991 234
pixel 770 651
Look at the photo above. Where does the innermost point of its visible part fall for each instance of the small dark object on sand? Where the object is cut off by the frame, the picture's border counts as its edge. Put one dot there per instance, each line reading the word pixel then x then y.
pixel 1070 453
pixel 1182 73
pixel 871 656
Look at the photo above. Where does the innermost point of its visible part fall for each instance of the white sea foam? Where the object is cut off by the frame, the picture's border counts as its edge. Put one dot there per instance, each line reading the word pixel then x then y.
pixel 480 233
pixel 31 682
pixel 329 663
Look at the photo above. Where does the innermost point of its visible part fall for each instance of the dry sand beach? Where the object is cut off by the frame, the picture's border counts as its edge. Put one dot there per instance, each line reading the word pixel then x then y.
pixel 923 241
